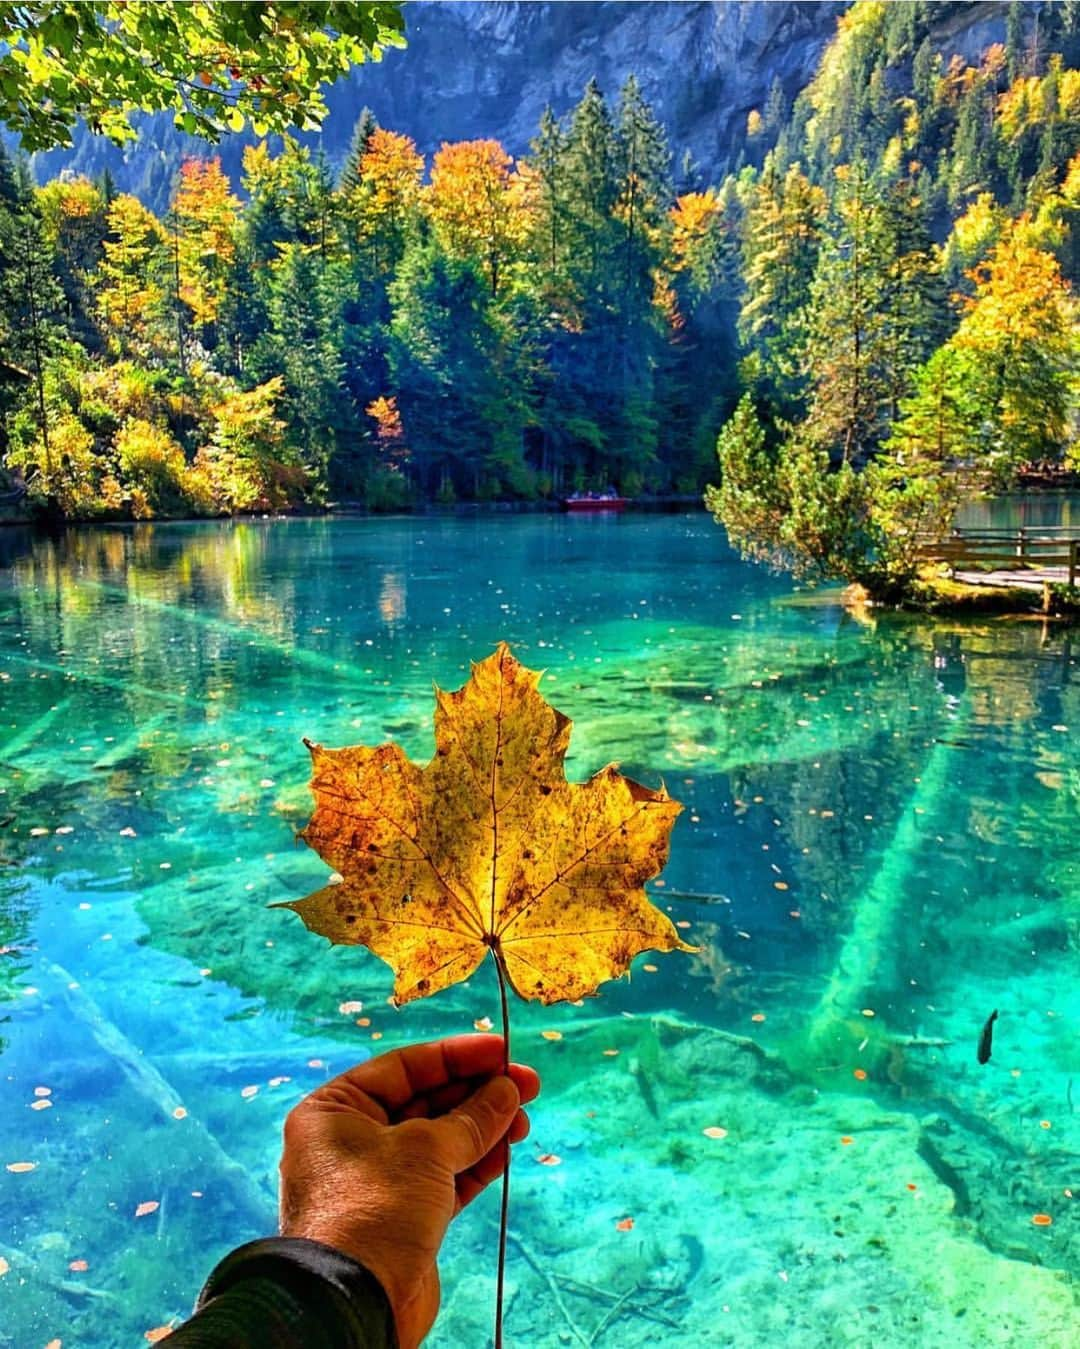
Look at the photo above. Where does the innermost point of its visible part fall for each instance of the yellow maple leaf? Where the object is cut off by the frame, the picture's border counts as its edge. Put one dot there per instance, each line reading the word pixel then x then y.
pixel 488 848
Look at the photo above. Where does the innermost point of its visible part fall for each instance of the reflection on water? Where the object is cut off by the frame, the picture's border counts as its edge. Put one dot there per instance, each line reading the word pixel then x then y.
pixel 878 849
pixel 1027 509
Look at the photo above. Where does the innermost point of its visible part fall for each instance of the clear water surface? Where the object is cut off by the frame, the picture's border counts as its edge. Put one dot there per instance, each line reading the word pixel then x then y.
pixel 878 849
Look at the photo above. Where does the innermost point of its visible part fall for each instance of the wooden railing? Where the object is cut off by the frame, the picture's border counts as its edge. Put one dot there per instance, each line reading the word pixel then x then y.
pixel 1020 549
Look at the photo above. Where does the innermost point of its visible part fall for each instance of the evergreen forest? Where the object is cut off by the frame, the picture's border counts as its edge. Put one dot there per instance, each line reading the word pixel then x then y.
pixel 873 310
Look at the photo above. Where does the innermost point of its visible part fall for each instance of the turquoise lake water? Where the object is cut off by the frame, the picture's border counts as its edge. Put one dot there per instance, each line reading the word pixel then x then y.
pixel 879 848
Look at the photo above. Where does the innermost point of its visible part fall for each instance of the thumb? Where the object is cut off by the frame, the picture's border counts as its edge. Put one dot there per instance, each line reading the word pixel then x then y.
pixel 472 1129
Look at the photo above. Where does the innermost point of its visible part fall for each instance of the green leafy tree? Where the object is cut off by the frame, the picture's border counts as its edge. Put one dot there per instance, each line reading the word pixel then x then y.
pixel 1019 334
pixel 129 279
pixel 218 66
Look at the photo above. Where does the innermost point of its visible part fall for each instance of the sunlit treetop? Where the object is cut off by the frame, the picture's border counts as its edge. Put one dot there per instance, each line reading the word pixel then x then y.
pixel 218 66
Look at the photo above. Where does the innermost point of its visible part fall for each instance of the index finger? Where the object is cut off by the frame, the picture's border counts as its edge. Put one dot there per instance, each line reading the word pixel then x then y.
pixel 394 1079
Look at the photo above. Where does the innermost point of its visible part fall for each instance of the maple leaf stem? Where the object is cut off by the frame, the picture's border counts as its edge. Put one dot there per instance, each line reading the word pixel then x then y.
pixel 504 1208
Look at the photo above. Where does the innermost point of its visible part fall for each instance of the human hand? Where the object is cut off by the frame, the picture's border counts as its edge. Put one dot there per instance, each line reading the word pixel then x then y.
pixel 378 1161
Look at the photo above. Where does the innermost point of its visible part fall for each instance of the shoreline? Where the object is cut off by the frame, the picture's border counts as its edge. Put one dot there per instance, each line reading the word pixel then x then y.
pixel 959 599
pixel 667 504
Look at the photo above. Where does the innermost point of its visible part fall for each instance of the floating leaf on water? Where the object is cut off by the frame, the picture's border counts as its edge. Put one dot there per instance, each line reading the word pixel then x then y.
pixel 20 1168
pixel 315 1063
pixel 43 1104
pixel 624 1225
pixel 758 1016
pixel 43 1091
pixel 482 1023
pixel 247 1092
pixel 128 832
pixel 714 1131
pixel 610 1053
pixel 551 1034
pixel 78 1266
pixel 146 1207
pixel 4 1266
pixel 179 1113
pixel 351 1007
pixel 277 1081
pixel 846 1139
pixel 549 1159
pixel 1041 1219
pixel 1044 1124
pixel 157 1334
pixel 860 1073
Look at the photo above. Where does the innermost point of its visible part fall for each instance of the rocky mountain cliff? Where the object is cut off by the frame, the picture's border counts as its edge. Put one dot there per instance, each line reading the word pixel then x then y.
pixel 489 69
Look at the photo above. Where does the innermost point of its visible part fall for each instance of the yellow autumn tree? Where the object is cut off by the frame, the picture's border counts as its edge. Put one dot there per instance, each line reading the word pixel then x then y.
pixel 129 292
pixel 1020 333
pixel 480 207
pixel 205 216
pixel 696 238
pixel 383 202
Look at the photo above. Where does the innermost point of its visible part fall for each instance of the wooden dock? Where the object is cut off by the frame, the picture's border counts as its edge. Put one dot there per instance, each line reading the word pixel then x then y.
pixel 1030 557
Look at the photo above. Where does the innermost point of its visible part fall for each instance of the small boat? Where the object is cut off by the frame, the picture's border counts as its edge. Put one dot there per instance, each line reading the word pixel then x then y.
pixel 593 501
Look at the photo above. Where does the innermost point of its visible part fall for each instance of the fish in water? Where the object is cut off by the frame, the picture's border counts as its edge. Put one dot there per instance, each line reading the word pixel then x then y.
pixel 986 1039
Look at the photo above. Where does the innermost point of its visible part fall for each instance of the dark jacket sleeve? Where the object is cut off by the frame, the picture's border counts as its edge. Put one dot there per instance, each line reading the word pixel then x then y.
pixel 289 1293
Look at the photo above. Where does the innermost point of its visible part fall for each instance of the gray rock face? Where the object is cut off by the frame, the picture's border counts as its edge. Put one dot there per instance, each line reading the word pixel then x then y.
pixel 490 69
pixel 474 69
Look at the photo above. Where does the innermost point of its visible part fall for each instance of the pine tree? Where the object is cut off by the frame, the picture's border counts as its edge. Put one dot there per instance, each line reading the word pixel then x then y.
pixel 303 346
pixel 592 189
pixel 782 238
pixel 644 193
pixel 552 212
pixel 1014 40
pixel 847 342
pixel 776 108
pixel 31 299
pixel 462 415
pixel 914 300
pixel 352 172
